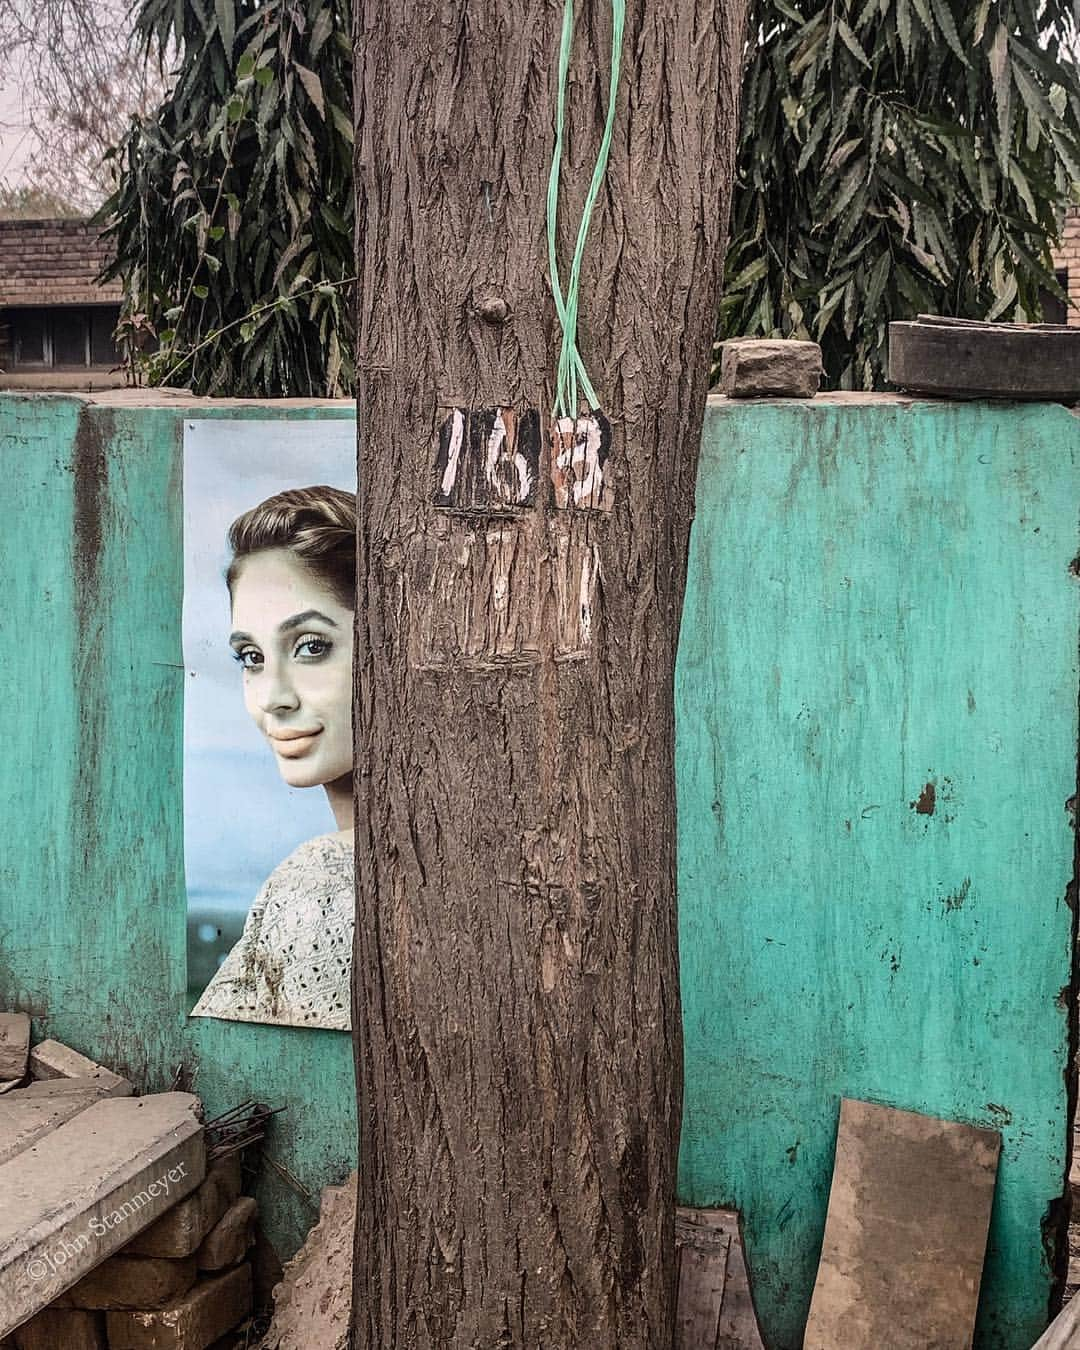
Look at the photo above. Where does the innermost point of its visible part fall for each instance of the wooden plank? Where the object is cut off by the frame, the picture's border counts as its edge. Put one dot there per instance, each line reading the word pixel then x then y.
pixel 1063 1333
pixel 714 1309
pixel 905 1233
pixel 973 360
pixel 701 1261
pixel 738 1327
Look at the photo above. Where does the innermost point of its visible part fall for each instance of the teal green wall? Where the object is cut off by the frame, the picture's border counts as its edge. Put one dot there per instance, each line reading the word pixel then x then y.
pixel 92 899
pixel 879 598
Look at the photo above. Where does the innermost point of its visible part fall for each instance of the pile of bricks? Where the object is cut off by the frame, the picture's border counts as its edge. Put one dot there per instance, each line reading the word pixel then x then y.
pixel 182 1283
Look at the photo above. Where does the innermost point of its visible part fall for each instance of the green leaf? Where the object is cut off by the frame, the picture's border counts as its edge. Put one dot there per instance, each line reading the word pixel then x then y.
pixel 226 22
pixel 216 232
pixel 876 284
pixel 851 42
pixel 312 87
pixel 924 14
pixel 756 270
pixel 818 130
pixel 903 26
pixel 320 31
pixel 342 123
pixel 947 24
pixel 1033 96
pixel 200 292
pixel 264 76
pixel 245 67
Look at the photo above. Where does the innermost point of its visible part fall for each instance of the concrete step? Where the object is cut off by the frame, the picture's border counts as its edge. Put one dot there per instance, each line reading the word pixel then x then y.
pixel 83 1191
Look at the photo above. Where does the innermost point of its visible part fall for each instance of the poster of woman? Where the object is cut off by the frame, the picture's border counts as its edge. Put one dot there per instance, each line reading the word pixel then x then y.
pixel 269 582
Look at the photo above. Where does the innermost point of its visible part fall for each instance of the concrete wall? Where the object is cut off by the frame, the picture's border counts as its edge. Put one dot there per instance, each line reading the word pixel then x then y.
pixel 92 899
pixel 879 600
pixel 880 618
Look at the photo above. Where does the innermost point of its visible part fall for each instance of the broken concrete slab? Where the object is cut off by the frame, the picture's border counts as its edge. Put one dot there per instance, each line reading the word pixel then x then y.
pixel 209 1309
pixel 131 1282
pixel 83 1191
pixel 182 1228
pixel 62 1329
pixel 1063 1333
pixel 770 368
pixel 23 1118
pixel 14 1045
pixel 53 1059
pixel 227 1242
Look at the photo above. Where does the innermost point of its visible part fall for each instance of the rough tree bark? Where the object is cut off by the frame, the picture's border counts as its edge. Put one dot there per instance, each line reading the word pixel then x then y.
pixel 516 1004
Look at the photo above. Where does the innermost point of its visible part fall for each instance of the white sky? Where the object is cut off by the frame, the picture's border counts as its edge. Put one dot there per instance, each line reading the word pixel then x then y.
pixel 14 140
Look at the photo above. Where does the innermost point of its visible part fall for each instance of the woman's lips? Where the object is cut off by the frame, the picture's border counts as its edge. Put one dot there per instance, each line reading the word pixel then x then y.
pixel 293 744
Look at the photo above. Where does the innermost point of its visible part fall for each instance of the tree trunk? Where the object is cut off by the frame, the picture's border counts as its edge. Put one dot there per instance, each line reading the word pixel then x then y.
pixel 516 1000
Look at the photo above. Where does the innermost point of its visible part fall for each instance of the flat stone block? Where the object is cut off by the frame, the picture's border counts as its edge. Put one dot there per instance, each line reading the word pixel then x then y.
pixel 65 1087
pixel 53 1059
pixel 180 1231
pixel 62 1329
pixel 84 1190
pixel 770 368
pixel 14 1045
pixel 24 1119
pixel 229 1239
pixel 209 1309
pixel 132 1282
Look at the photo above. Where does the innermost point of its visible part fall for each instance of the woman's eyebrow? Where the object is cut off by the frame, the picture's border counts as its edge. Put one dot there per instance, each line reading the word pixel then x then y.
pixel 236 638
pixel 298 620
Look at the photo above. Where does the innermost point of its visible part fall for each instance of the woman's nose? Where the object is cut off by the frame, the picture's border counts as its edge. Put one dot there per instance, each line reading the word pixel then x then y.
pixel 276 692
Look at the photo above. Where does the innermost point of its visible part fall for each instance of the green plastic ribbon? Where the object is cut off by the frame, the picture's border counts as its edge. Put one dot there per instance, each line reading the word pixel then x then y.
pixel 571 369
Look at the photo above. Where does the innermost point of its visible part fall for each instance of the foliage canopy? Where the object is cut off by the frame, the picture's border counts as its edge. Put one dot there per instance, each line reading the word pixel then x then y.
pixel 232 221
pixel 898 157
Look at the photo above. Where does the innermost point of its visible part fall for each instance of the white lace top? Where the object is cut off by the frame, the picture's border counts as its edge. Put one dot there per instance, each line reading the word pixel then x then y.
pixel 292 962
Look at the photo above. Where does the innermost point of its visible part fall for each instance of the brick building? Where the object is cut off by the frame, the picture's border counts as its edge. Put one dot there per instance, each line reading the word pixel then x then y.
pixel 1067 267
pixel 56 321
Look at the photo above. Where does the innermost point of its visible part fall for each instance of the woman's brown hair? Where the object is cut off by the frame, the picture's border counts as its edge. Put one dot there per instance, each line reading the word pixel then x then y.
pixel 318 524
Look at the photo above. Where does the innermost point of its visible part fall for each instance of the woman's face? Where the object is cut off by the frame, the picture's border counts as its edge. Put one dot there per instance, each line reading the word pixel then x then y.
pixel 294 639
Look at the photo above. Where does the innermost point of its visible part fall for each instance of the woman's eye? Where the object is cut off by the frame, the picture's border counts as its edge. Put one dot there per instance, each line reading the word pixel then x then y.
pixel 312 646
pixel 249 657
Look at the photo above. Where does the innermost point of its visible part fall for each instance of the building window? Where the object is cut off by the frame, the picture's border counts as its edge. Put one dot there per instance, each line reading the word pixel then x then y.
pixel 62 337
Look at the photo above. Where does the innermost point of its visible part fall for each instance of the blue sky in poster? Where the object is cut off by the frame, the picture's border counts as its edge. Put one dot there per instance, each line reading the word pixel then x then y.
pixel 240 818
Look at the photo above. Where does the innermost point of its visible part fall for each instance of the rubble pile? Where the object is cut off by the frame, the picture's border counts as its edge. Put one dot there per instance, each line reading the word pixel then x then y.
pixel 119 1230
